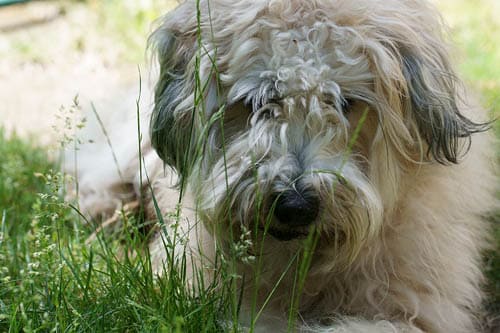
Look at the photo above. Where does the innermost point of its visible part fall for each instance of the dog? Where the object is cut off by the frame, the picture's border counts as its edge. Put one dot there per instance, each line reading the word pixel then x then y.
pixel 335 123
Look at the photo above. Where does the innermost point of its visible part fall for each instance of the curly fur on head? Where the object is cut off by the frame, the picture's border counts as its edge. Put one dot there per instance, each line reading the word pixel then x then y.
pixel 342 116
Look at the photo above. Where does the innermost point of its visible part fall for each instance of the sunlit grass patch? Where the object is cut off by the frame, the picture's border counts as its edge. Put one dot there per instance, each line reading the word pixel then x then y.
pixel 475 31
pixel 130 22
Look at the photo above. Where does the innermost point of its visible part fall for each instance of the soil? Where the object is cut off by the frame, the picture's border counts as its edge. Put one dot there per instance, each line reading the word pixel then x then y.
pixel 49 53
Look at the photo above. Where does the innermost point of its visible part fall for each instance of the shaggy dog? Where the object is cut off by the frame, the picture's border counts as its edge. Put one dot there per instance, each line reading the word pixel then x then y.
pixel 336 123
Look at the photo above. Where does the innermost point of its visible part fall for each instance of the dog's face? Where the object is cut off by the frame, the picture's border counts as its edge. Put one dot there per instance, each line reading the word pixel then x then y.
pixel 291 114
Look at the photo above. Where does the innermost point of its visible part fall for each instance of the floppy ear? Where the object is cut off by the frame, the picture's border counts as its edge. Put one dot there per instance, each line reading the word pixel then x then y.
pixel 433 100
pixel 171 120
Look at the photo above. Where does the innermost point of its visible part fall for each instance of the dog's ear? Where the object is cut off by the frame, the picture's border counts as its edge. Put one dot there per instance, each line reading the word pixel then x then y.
pixel 433 101
pixel 173 44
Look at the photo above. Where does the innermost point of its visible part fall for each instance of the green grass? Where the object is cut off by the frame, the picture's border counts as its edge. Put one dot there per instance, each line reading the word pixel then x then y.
pixel 475 30
pixel 51 279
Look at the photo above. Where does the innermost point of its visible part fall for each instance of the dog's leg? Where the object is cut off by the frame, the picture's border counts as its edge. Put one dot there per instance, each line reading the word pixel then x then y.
pixel 355 325
pixel 182 237
pixel 346 325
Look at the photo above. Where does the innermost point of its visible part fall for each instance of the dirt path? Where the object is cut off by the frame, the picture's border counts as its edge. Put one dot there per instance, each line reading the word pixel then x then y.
pixel 48 54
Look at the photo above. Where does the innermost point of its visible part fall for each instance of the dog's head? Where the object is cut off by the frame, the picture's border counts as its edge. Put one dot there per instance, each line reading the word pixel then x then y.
pixel 291 114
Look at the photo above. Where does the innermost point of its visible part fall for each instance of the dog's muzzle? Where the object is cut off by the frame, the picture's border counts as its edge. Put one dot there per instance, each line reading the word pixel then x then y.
pixel 294 210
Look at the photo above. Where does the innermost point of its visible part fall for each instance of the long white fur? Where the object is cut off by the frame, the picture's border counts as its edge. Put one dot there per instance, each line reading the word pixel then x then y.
pixel 411 256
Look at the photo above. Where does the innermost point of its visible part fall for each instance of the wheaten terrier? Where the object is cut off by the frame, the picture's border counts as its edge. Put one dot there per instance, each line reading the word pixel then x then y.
pixel 333 125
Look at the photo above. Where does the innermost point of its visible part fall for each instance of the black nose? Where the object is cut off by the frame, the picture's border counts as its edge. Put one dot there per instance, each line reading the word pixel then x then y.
pixel 296 208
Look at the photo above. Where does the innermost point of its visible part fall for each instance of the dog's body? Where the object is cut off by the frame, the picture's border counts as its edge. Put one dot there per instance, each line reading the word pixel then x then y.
pixel 342 118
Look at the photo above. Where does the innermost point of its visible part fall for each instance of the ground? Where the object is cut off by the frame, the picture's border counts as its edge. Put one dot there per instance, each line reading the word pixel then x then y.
pixel 51 51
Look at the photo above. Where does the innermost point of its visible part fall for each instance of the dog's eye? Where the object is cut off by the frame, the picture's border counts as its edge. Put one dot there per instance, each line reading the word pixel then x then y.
pixel 344 105
pixel 273 101
pixel 248 104
pixel 254 106
pixel 347 104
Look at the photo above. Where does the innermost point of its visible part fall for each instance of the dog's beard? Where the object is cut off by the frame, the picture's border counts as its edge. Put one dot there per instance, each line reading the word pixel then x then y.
pixel 237 189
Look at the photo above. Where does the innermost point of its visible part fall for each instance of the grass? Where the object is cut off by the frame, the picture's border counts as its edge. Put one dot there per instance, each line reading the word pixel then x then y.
pixel 51 279
pixel 476 37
